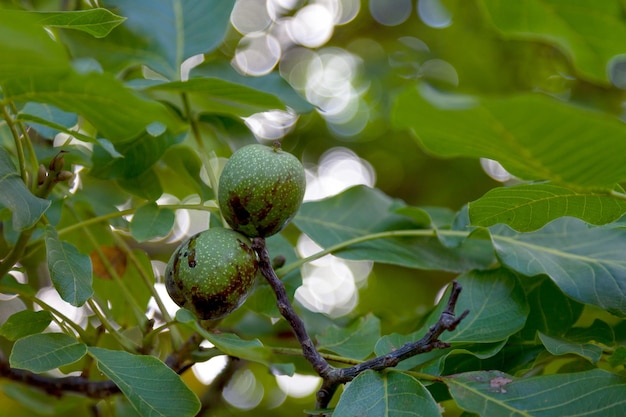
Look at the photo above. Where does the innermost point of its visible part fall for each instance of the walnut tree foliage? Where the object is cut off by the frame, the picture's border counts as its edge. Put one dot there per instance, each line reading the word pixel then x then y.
pixel 540 260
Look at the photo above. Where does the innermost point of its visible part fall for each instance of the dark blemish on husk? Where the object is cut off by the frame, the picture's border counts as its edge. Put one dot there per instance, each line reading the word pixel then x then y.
pixel 242 216
pixel 191 253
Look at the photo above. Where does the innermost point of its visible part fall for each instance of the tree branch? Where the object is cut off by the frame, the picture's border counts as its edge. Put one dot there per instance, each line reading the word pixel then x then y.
pixel 333 377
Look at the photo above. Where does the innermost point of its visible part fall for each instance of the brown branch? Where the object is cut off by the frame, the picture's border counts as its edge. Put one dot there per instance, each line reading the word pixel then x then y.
pixel 333 377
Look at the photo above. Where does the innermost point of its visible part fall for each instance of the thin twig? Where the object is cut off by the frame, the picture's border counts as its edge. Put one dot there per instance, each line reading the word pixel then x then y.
pixel 333 377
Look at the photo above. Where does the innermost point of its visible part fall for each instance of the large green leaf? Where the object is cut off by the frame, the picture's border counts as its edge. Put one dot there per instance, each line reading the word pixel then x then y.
pixel 529 207
pixel 26 208
pixel 271 83
pixel 46 351
pixel 24 323
pixel 213 95
pixel 591 32
pixel 557 346
pixel 361 211
pixel 150 221
pixel 158 33
pixel 70 270
pixel 27 50
pixel 390 394
pixel 131 158
pixel 96 22
pixel 551 311
pixel 587 263
pixel 116 111
pixel 595 393
pixel 151 387
pixel 355 341
pixel 586 151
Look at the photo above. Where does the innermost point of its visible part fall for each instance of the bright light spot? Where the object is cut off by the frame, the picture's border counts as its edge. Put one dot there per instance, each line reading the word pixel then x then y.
pixel 50 296
pixel 207 371
pixel 257 54
pixel 298 386
pixel 495 170
pixel 250 16
pixel 390 13
pixel 339 168
pixel 243 390
pixel 279 8
pixel 347 11
pixel 433 13
pixel 170 306
pixel 312 26
pixel 271 125
pixel 438 69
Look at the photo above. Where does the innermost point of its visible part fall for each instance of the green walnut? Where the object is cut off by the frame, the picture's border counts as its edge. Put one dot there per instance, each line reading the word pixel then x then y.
pixel 260 190
pixel 212 272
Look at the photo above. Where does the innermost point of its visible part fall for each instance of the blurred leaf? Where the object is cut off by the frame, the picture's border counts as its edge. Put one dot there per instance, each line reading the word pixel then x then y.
pixel 355 341
pixel 46 351
pixel 146 185
pixel 151 387
pixel 599 332
pixel 31 50
pixel 587 263
pixel 114 256
pixel 518 131
pixel 551 311
pixel 618 357
pixel 116 111
pixel 138 155
pixel 150 221
pixel 70 270
pixel 529 207
pixel 230 344
pixel 216 96
pixel 271 83
pixel 185 28
pixel 24 323
pixel 558 346
pixel 341 218
pixel 26 209
pixel 594 393
pixel 50 116
pixel 96 22
pixel 591 33
pixel 390 394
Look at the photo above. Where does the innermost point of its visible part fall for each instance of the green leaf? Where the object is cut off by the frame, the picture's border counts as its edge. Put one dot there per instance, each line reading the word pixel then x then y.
pixel 138 155
pixel 586 263
pixel 216 96
pixel 24 323
pixel 496 303
pixel 150 221
pixel 595 393
pixel 96 22
pixel 228 343
pixel 355 341
pixel 146 185
pixel 341 218
pixel 26 209
pixel 551 311
pixel 618 357
pixel 518 131
pixel 591 33
pixel 390 394
pixel 46 351
pixel 271 83
pixel 70 270
pixel 557 346
pixel 529 207
pixel 48 120
pixel 117 112
pixel 152 388
pixel 185 28
pixel 31 50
